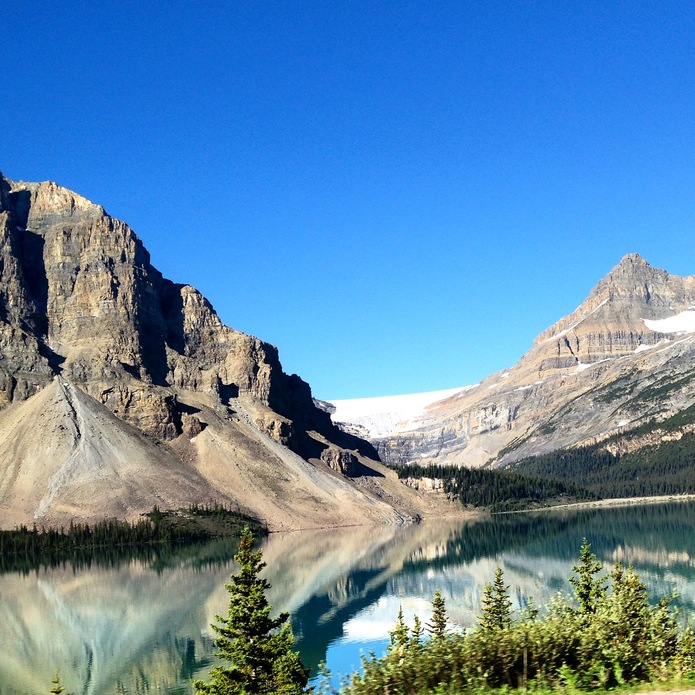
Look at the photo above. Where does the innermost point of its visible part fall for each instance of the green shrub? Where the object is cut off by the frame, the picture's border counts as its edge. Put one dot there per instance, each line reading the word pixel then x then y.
pixel 607 638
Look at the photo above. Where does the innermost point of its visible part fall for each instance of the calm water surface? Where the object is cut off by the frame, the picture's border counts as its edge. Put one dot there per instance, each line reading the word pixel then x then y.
pixel 144 627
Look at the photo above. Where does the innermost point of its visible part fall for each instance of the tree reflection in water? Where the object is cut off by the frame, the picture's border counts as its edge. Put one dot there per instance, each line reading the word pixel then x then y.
pixel 142 624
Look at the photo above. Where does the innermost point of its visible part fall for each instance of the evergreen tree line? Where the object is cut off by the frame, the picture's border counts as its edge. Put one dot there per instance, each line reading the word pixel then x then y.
pixel 607 636
pixel 500 490
pixel 111 542
pixel 604 638
pixel 663 469
pixel 579 474
pixel 661 526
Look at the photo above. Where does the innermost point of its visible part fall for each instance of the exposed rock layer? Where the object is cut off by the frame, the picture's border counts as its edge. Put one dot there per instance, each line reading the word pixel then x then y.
pixel 613 363
pixel 120 389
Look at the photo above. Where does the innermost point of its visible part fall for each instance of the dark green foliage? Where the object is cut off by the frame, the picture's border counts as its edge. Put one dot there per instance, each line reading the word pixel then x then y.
pixel 437 624
pixel 258 648
pixel 22 548
pixel 399 634
pixel 665 469
pixel 497 606
pixel 416 636
pixel 589 589
pixel 501 490
pixel 614 638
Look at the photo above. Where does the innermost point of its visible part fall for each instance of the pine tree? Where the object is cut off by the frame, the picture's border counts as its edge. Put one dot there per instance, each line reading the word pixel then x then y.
pixel 399 634
pixel 628 619
pixel 257 647
pixel 415 641
pixel 57 688
pixel 497 606
pixel 589 589
pixel 437 624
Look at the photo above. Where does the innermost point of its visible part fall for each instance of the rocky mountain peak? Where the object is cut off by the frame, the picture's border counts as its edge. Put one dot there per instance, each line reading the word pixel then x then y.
pixel 80 299
pixel 622 359
pixel 42 203
pixel 636 279
pixel 632 260
pixel 611 321
pixel 120 389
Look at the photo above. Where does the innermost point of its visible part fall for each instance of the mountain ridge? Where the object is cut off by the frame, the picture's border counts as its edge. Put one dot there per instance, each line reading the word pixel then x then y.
pixel 593 373
pixel 129 391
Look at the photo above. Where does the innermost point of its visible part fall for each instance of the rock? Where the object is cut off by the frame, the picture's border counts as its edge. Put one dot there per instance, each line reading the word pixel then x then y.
pixel 80 298
pixel 82 306
pixel 608 365
pixel 342 461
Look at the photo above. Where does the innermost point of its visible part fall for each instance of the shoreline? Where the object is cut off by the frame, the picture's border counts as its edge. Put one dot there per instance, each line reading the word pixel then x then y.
pixel 609 502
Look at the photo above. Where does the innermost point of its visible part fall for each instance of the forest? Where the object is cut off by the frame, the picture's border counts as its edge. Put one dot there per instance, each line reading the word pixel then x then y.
pixel 500 490
pixel 110 542
pixel 606 635
pixel 579 474
pixel 663 469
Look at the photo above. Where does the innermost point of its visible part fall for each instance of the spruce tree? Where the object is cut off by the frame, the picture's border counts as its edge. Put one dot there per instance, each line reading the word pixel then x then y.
pixel 497 606
pixel 437 624
pixel 399 634
pixel 415 640
pixel 257 647
pixel 589 589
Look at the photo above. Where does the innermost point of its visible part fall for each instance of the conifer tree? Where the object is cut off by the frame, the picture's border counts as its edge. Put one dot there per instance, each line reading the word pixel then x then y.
pixel 437 624
pixel 589 589
pixel 57 688
pixel 415 641
pixel 399 634
pixel 497 606
pixel 257 647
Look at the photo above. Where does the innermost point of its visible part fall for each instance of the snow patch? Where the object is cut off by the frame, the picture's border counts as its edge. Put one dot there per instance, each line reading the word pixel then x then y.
pixel 664 342
pixel 528 386
pixel 680 323
pixel 576 323
pixel 380 415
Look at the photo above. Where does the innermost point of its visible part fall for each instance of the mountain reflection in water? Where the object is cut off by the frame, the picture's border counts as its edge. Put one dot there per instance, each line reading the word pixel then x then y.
pixel 142 626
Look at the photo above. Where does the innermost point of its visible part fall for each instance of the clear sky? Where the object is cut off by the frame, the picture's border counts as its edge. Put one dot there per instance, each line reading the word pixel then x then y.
pixel 399 195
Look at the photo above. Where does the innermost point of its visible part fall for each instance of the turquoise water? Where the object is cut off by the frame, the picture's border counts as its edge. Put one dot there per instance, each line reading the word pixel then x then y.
pixel 144 627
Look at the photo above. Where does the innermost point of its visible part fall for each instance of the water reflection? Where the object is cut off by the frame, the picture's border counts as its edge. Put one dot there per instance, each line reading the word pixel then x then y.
pixel 143 626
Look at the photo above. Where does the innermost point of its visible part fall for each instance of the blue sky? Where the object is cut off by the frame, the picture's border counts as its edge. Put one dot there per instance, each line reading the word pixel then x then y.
pixel 399 195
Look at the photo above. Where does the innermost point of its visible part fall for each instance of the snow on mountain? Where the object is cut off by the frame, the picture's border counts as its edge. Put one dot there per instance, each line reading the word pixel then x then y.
pixel 382 414
pixel 680 323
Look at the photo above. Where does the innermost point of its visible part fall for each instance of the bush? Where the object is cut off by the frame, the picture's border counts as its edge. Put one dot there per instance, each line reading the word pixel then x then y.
pixel 607 638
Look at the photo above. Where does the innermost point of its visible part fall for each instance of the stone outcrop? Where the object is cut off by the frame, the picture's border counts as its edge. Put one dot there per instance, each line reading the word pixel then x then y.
pixel 84 312
pixel 613 363
pixel 609 323
pixel 80 298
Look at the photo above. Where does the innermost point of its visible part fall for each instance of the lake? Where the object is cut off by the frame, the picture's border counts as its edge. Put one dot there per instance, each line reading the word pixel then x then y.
pixel 143 626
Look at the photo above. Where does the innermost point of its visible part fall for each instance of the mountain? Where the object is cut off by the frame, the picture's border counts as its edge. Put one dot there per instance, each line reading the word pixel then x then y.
pixel 120 389
pixel 622 359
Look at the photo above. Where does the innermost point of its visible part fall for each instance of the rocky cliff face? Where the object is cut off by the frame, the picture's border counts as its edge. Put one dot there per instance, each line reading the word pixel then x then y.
pixel 85 313
pixel 623 357
pixel 80 298
pixel 610 323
